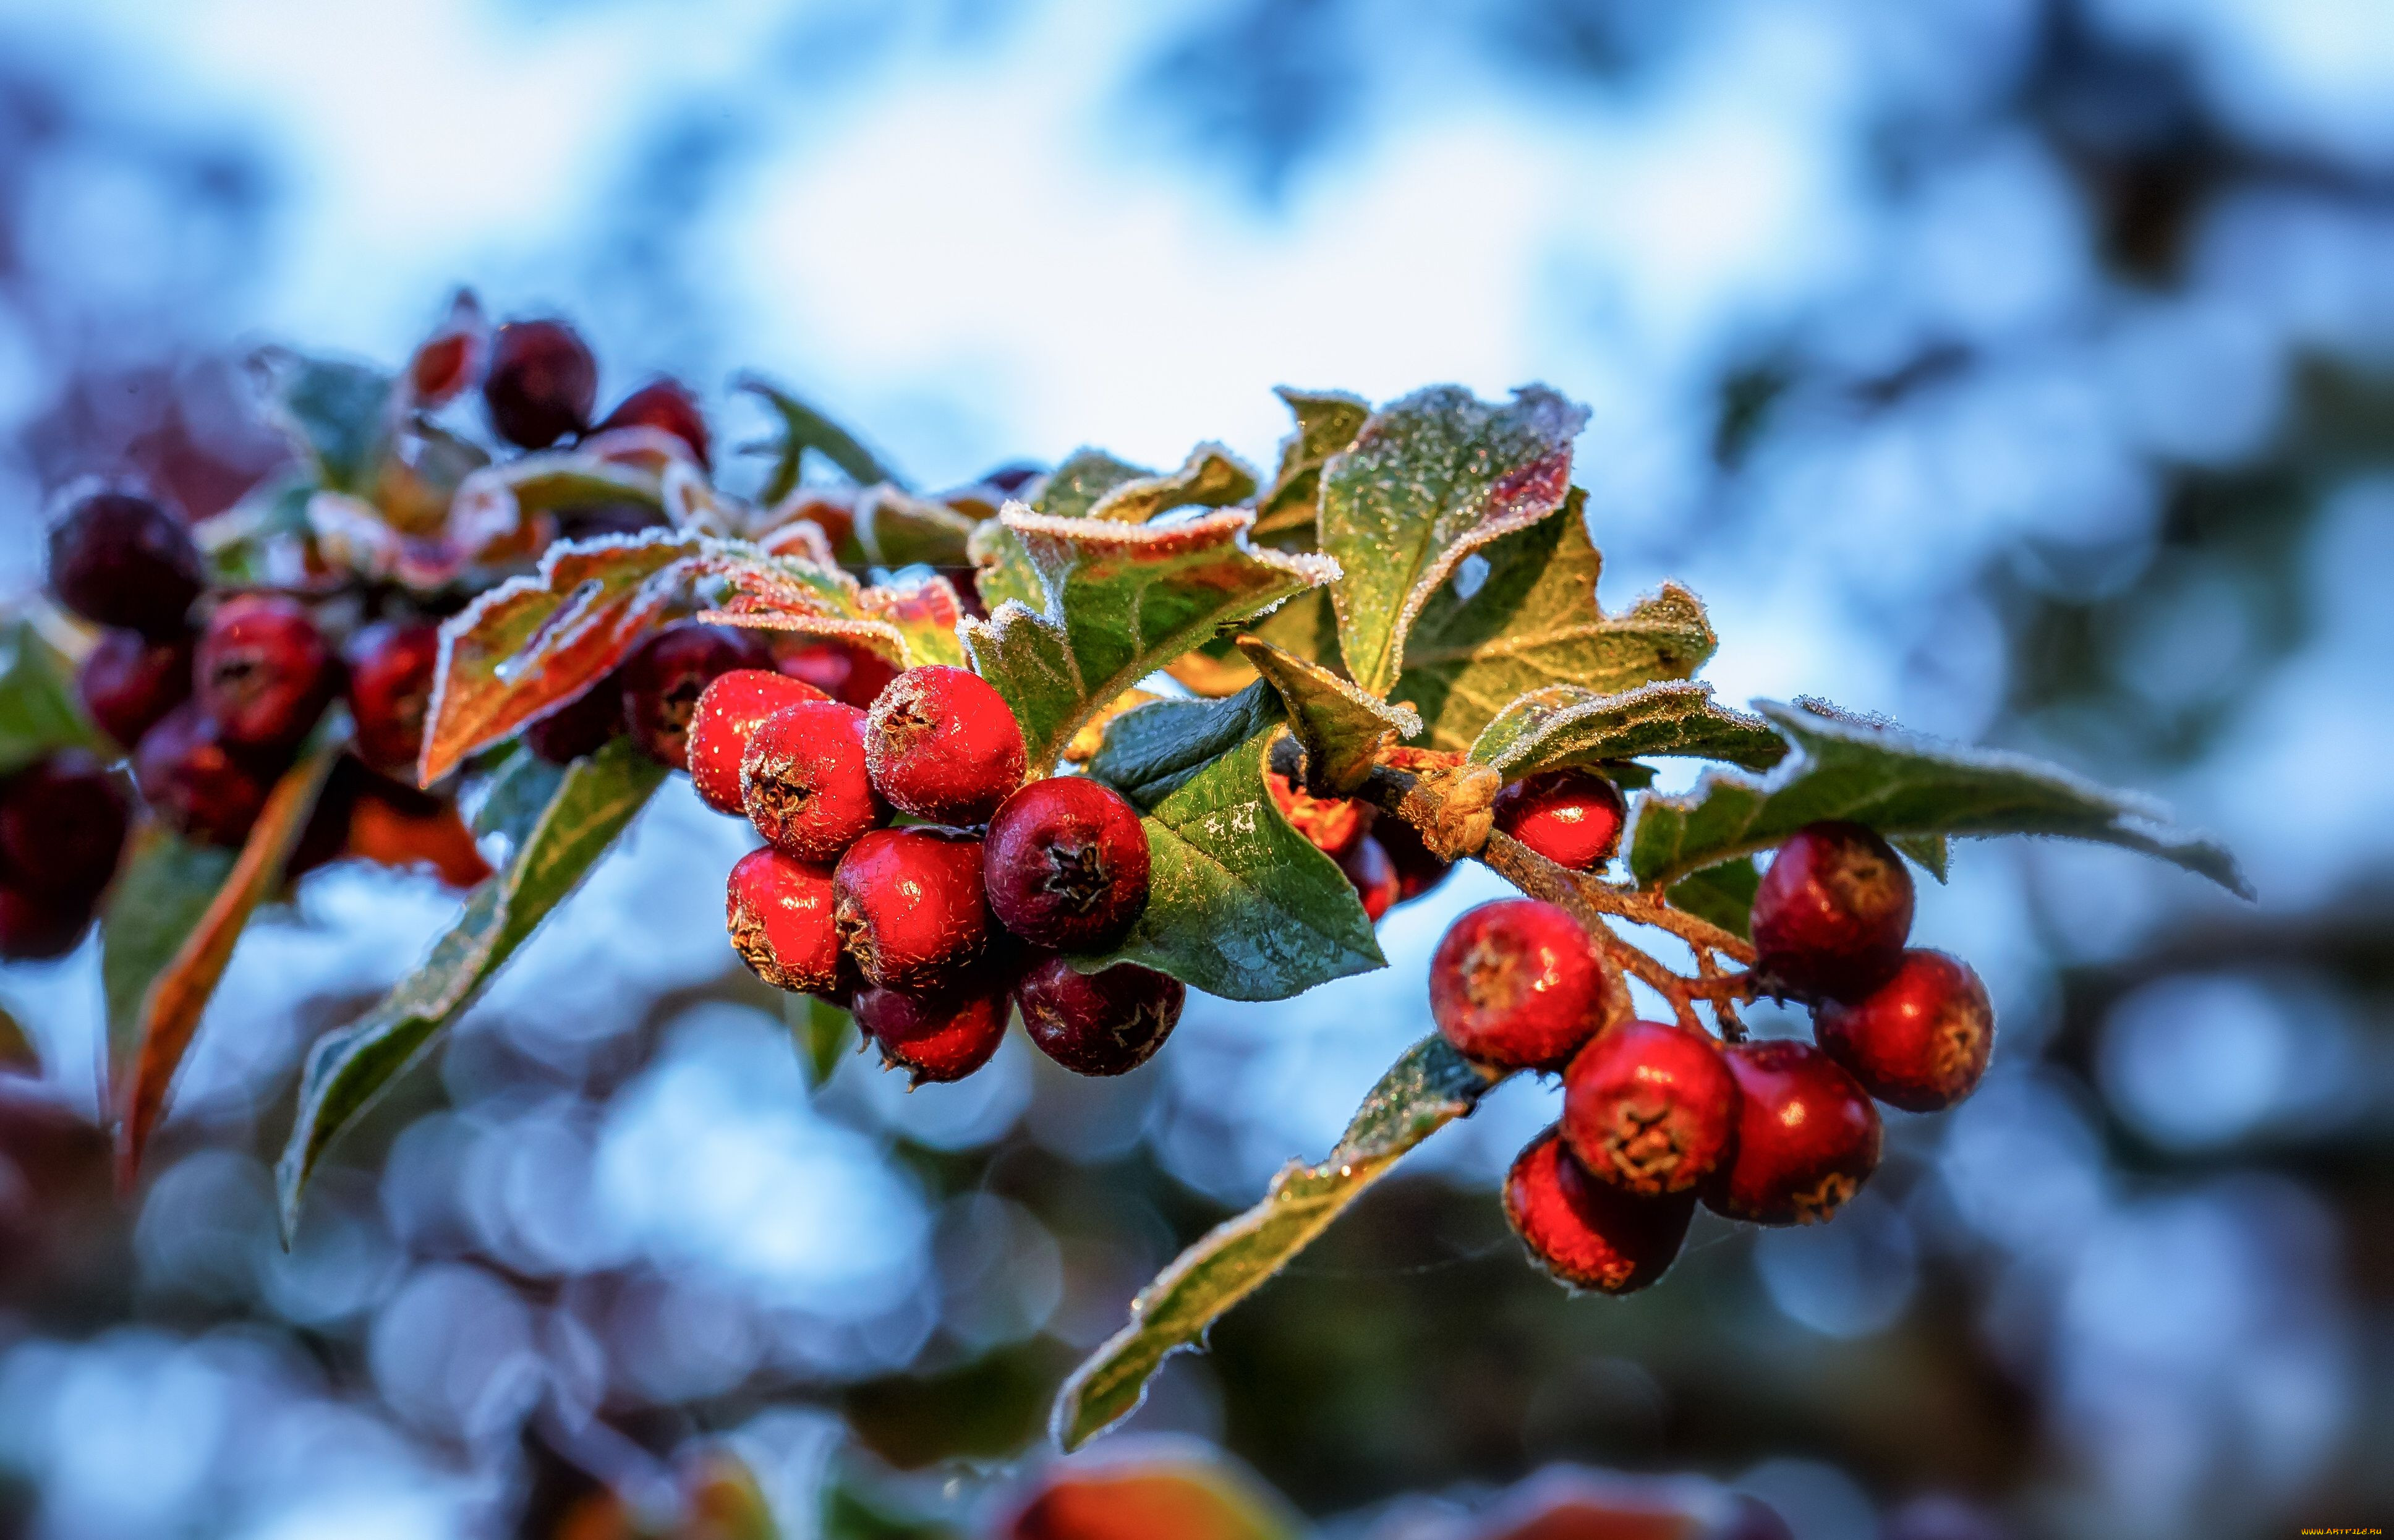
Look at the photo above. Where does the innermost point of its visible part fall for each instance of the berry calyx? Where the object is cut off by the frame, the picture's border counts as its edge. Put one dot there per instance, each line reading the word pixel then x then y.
pixel 1108 1022
pixel 127 682
pixel 910 906
pixel 803 781
pixel 121 559
pixel 664 677
pixel 196 781
pixel 1587 1233
pixel 728 713
pixel 581 726
pixel 668 406
pixel 61 824
pixel 390 666
pixel 1518 984
pixel 1830 914
pixel 1332 823
pixel 943 745
pixel 263 670
pixel 856 676
pixel 1372 874
pixel 937 1035
pixel 1648 1108
pixel 1066 864
pixel 541 384
pixel 1920 1040
pixel 1807 1136
pixel 779 914
pixel 1572 816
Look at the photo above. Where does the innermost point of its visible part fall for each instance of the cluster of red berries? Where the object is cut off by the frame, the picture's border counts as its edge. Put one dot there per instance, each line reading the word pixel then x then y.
pixel 1658 1116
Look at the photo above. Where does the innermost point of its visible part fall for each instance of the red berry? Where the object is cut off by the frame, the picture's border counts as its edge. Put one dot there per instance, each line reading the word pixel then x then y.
pixel 1650 1108
pixel 581 726
pixel 390 688
pixel 943 1034
pixel 1417 870
pixel 856 676
pixel 1332 823
pixel 1919 1041
pixel 664 677
pixel 1518 984
pixel 1373 876
pixel 61 824
pixel 1571 817
pixel 120 560
pixel 263 670
pixel 35 925
pixel 1806 1136
pixel 1588 1234
pixel 778 913
pixel 911 910
pixel 1832 912
pixel 667 406
pixel 942 743
pixel 542 383
pixel 803 784
pixel 451 359
pixel 1108 1022
pixel 196 781
pixel 1066 864
pixel 128 682
pixel 728 712
pixel 1012 475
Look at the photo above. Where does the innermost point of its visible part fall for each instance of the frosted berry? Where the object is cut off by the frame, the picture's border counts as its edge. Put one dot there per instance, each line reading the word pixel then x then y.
pixel 667 406
pixel 1832 912
pixel 910 907
pixel 727 714
pixel 581 726
pixel 854 675
pixel 1518 984
pixel 1648 1108
pixel 541 384
pixel 1571 817
pixel 942 1034
pixel 1920 1040
pixel 263 670
pixel 1807 1136
pixel 391 690
pixel 35 925
pixel 196 781
pixel 664 677
pixel 1332 823
pixel 1066 864
pixel 120 560
pixel 802 781
pixel 127 682
pixel 778 913
pixel 61 824
pixel 1587 1233
pixel 1108 1022
pixel 1372 874
pixel 1417 870
pixel 943 745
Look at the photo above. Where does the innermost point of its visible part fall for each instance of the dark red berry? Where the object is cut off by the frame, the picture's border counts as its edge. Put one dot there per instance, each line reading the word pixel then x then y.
pixel 542 383
pixel 855 676
pixel 667 406
pixel 1806 1136
pixel 1108 1022
pixel 778 913
pixel 1066 864
pixel 1572 816
pixel 911 910
pixel 1920 1040
pixel 263 670
pixel 803 784
pixel 1332 823
pixel 451 359
pixel 942 743
pixel 664 679
pixel 1588 1234
pixel 940 1036
pixel 1518 984
pixel 128 682
pixel 1650 1108
pixel 1417 870
pixel 1373 876
pixel 390 688
pixel 581 726
pixel 61 824
pixel 1832 912
pixel 587 520
pixel 728 711
pixel 196 781
pixel 35 925
pixel 1012 475
pixel 120 560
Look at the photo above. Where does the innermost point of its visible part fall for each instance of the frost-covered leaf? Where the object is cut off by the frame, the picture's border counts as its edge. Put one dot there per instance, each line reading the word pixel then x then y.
pixel 161 891
pixel 1932 853
pixel 1342 730
pixel 1569 724
pixel 1073 489
pixel 336 413
pixel 39 711
pixel 912 623
pixel 894 529
pixel 1422 1092
pixel 1327 422
pixel 1898 784
pixel 805 429
pixel 1151 752
pixel 1429 480
pixel 1211 477
pixel 492 503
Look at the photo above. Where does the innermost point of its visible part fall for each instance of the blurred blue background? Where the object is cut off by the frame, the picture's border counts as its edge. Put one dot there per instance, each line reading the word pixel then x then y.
pixel 2023 371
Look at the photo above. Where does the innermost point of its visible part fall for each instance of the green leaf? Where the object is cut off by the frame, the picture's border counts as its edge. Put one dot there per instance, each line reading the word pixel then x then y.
pixel 1569 724
pixel 595 798
pixel 39 710
pixel 893 529
pixel 1342 730
pixel 1327 422
pixel 1428 1088
pixel 1534 621
pixel 803 429
pixel 1153 751
pixel 1238 903
pixel 337 414
pixel 18 1055
pixel 1002 569
pixel 1932 853
pixel 1123 600
pixel 1075 487
pixel 1723 894
pixel 820 1032
pixel 1430 479
pixel 1898 784
pixel 160 894
pixel 1211 477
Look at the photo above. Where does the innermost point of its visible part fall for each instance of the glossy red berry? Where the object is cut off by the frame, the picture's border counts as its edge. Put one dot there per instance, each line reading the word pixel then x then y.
pixel 1372 874
pixel 1920 1040
pixel 911 910
pixel 1587 1233
pixel 803 784
pixel 581 726
pixel 542 383
pixel 1332 823
pixel 61 824
pixel 1648 1108
pixel 127 682
pixel 779 914
pixel 121 559
pixel 196 781
pixel 390 688
pixel 1807 1136
pixel 943 745
pixel 940 1035
pixel 855 676
pixel 1107 1022
pixel 1518 984
pixel 263 670
pixel 1832 912
pixel 667 406
pixel 1572 816
pixel 664 677
pixel 35 925
pixel 1417 870
pixel 1066 864
pixel 728 713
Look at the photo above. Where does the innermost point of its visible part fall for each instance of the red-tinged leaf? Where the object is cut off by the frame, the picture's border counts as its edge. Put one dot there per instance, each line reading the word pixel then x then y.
pixel 451 360
pixel 909 623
